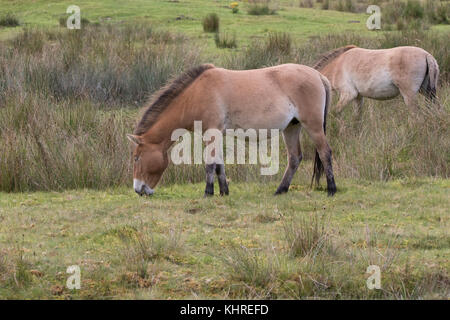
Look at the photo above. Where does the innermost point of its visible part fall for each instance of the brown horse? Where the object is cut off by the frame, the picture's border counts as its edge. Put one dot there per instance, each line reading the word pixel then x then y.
pixel 285 97
pixel 379 74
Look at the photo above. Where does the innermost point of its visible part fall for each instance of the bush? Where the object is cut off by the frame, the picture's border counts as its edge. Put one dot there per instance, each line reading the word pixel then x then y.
pixel 275 50
pixel 345 5
pixel 211 23
pixel 261 7
pixel 9 20
pixel 437 12
pixel 442 13
pixel 306 3
pixel 225 40
pixel 279 43
pixel 413 10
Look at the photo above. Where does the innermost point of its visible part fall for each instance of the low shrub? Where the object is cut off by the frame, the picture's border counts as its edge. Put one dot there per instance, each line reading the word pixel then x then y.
pixel 211 23
pixel 225 40
pixel 9 20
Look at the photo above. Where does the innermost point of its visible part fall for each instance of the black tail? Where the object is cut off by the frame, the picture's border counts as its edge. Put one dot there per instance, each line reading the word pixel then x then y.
pixel 429 84
pixel 318 165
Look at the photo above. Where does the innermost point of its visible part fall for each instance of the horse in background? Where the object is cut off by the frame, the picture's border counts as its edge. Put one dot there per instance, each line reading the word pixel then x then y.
pixel 380 74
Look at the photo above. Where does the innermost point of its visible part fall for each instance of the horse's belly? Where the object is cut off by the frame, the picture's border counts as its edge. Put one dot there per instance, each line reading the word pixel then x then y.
pixel 380 88
pixel 271 115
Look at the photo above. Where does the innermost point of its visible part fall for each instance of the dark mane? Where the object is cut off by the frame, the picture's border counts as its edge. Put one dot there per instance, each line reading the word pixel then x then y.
pixel 331 55
pixel 166 95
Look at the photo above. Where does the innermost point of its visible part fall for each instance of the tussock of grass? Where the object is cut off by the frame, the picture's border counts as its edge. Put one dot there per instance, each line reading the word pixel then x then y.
pixel 143 247
pixel 261 7
pixel 63 21
pixel 9 20
pixel 306 3
pixel 251 266
pixel 225 40
pixel 307 234
pixel 211 23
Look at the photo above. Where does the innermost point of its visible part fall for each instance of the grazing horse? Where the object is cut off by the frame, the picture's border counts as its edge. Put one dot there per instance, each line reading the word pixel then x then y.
pixel 285 97
pixel 379 74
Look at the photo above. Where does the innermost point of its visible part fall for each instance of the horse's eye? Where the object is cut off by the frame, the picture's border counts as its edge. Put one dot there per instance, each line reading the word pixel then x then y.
pixel 136 158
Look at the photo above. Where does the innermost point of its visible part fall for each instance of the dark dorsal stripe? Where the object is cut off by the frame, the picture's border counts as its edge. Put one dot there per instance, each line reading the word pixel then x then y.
pixel 331 55
pixel 166 95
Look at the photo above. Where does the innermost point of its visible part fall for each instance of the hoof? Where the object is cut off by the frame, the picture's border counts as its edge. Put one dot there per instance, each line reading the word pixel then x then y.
pixel 207 195
pixel 224 192
pixel 331 192
pixel 281 191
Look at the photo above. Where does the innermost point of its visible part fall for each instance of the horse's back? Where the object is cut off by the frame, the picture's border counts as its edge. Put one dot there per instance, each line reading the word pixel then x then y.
pixel 263 98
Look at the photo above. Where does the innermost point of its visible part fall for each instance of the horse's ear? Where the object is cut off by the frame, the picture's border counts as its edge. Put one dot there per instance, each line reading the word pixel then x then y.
pixel 135 139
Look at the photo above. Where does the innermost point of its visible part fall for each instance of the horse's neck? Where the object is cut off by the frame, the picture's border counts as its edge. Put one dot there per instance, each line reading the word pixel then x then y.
pixel 170 120
pixel 329 69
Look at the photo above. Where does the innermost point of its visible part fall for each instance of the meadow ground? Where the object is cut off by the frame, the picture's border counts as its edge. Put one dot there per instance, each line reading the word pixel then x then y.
pixel 186 16
pixel 180 245
pixel 67 99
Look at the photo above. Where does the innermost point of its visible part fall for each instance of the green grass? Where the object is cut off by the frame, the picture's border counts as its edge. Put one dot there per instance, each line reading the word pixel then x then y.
pixel 180 245
pixel 300 22
pixel 186 17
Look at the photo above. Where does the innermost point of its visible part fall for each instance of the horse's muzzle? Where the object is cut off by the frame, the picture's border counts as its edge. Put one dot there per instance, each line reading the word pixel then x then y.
pixel 141 188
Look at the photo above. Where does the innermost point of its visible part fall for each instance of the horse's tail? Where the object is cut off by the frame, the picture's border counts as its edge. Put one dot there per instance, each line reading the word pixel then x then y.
pixel 429 83
pixel 318 165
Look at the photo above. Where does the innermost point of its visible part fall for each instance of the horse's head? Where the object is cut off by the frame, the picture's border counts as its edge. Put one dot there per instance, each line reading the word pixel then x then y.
pixel 149 164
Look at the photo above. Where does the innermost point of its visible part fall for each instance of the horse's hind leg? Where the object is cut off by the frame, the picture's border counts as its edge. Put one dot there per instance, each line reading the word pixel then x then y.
pixel 357 110
pixel 223 185
pixel 324 151
pixel 410 98
pixel 292 140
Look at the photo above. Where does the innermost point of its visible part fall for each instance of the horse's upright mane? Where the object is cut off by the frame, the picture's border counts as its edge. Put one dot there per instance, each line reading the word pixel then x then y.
pixel 331 55
pixel 166 95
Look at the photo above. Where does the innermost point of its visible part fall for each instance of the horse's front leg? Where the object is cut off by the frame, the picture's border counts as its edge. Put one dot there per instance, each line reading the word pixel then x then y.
pixel 344 98
pixel 210 171
pixel 357 110
pixel 223 185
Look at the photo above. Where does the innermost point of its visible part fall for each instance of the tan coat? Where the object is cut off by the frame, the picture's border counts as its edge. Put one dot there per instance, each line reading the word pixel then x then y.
pixel 285 97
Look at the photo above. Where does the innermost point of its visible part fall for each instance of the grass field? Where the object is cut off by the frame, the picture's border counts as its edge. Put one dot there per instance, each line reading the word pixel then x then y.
pixel 67 99
pixel 179 245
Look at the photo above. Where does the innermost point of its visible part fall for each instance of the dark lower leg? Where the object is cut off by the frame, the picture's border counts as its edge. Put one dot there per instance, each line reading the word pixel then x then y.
pixel 292 140
pixel 325 157
pixel 293 163
pixel 223 185
pixel 209 190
